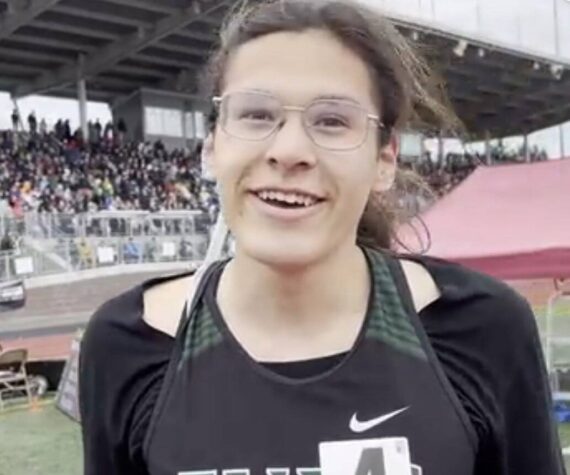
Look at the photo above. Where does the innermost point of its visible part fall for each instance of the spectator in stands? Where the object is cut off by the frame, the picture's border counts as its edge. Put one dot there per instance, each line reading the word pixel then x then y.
pixel 7 243
pixel 151 250
pixel 15 119
pixel 185 249
pixel 59 130
pixel 73 254
pixel 121 129
pixel 108 132
pixel 7 141
pixel 85 255
pixel 67 130
pixel 32 123
pixel 131 252
pixel 43 126
pixel 95 135
pixel 98 129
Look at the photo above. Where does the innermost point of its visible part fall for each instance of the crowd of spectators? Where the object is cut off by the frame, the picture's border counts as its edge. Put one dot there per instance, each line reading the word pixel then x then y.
pixel 445 173
pixel 58 171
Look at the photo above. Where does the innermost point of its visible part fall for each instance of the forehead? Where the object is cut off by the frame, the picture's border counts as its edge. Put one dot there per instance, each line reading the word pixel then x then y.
pixel 299 67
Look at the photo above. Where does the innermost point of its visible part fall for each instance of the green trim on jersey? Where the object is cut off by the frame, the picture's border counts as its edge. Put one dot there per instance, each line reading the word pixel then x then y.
pixel 389 321
pixel 202 333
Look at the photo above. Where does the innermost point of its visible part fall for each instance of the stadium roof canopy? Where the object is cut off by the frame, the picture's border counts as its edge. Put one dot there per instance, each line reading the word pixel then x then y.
pixel 120 46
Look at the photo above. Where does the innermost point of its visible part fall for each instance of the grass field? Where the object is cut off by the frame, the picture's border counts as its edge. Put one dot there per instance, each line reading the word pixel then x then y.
pixel 39 442
pixel 560 328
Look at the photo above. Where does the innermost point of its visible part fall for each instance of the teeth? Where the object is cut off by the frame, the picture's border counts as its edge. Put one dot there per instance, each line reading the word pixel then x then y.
pixel 290 198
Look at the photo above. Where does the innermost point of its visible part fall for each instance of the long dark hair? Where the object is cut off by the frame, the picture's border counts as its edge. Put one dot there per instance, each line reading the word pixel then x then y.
pixel 407 92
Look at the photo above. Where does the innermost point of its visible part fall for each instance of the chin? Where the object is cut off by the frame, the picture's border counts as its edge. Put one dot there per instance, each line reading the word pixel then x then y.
pixel 287 253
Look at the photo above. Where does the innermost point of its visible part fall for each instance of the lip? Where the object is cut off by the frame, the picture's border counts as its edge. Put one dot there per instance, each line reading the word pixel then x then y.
pixel 285 214
pixel 298 191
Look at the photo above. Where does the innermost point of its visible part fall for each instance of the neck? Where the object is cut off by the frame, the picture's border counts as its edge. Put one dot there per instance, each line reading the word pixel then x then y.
pixel 336 286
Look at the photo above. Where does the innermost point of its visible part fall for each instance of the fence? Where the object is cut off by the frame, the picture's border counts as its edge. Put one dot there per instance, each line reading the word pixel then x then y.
pixel 55 243
pixel 107 224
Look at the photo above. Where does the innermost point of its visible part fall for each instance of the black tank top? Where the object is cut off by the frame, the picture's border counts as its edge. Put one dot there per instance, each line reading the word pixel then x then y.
pixel 385 408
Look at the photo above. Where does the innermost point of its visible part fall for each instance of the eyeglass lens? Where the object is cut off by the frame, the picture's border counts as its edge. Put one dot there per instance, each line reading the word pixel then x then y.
pixel 330 123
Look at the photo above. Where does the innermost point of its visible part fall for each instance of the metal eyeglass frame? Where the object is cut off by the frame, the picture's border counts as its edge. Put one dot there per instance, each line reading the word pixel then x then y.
pixel 217 100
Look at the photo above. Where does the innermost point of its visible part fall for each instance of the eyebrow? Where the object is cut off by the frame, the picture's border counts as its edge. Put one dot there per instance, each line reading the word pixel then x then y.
pixel 338 97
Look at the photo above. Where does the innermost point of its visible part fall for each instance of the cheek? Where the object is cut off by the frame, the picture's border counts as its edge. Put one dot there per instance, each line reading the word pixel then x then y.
pixel 359 174
pixel 230 164
pixel 225 160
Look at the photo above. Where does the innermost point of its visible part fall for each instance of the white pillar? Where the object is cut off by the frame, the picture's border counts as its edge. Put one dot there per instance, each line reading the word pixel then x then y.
pixel 82 98
pixel 562 142
pixel 440 150
pixel 488 158
pixel 526 149
pixel 184 131
pixel 423 149
pixel 557 33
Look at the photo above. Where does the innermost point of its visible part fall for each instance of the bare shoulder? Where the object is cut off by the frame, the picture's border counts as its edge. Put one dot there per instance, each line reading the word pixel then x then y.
pixel 421 283
pixel 164 303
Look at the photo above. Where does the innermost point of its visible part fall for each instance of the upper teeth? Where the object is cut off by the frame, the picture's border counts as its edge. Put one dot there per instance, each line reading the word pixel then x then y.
pixel 291 198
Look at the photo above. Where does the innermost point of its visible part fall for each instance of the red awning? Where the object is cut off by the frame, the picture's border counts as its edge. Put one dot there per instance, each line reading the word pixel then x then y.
pixel 510 221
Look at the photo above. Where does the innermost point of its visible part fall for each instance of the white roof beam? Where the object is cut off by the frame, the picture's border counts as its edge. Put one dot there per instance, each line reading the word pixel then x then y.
pixel 8 68
pixel 175 63
pixel 76 30
pixel 106 81
pixel 209 20
pixel 54 43
pixel 118 50
pixel 140 71
pixel 31 55
pixel 92 94
pixel 105 17
pixel 196 35
pixel 200 52
pixel 150 5
pixel 16 18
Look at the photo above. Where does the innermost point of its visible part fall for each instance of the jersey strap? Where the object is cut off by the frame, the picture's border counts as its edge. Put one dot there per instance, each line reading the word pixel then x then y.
pixel 389 321
pixel 189 313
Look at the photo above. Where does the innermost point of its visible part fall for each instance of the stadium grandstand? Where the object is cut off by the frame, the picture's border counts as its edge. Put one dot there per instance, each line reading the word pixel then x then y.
pixel 87 213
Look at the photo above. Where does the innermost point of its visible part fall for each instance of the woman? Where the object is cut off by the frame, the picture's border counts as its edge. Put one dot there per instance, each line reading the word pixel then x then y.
pixel 315 350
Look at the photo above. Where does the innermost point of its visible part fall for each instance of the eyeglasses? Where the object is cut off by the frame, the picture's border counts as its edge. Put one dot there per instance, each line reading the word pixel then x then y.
pixel 333 124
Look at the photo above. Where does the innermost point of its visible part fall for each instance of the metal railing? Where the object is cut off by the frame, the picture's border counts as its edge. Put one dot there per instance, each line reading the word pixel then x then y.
pixel 56 243
pixel 107 224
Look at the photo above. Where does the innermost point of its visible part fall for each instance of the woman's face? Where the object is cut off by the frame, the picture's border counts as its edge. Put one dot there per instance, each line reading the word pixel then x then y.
pixel 288 201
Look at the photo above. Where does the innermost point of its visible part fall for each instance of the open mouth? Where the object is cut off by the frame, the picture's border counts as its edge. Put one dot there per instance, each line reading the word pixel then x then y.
pixel 287 200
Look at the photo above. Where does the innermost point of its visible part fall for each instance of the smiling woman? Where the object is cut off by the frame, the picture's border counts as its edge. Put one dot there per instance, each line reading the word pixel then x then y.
pixel 316 349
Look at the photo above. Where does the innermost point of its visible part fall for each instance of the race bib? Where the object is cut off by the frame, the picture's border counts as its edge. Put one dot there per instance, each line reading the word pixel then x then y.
pixel 389 456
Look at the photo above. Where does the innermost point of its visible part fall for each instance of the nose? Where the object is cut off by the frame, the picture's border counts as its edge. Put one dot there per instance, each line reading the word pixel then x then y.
pixel 290 147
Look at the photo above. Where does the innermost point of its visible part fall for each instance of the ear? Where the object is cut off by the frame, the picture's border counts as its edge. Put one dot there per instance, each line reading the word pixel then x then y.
pixel 386 165
pixel 207 158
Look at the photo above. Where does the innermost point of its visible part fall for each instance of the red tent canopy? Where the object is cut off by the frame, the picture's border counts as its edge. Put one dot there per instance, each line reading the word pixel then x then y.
pixel 510 221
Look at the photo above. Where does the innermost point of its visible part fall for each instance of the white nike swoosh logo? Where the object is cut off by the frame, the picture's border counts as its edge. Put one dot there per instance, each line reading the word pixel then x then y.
pixel 358 426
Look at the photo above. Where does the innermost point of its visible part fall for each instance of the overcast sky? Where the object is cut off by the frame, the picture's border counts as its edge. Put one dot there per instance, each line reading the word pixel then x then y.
pixel 51 109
